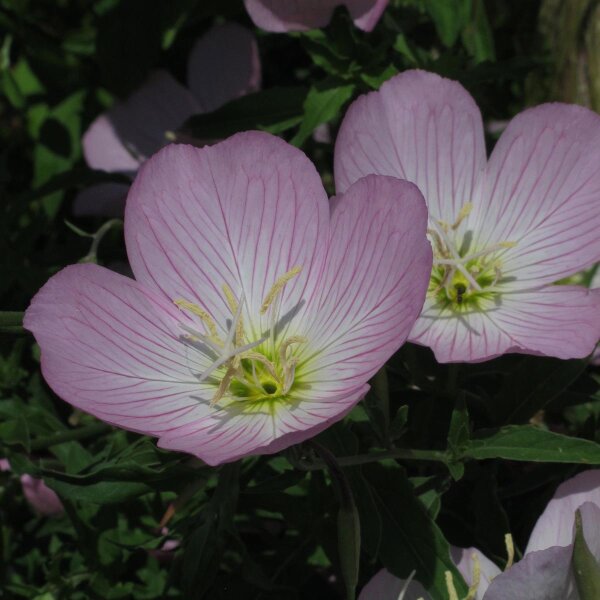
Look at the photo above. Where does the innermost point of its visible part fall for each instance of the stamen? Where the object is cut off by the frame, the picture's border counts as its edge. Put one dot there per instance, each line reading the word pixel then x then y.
pixel 510 550
pixel 288 375
pixel 199 312
pixel 277 287
pixel 405 586
pixel 464 212
pixel 295 339
pixel 263 360
pixel 472 593
pixel 452 595
pixel 224 385
pixel 233 306
pixel 494 248
pixel 194 335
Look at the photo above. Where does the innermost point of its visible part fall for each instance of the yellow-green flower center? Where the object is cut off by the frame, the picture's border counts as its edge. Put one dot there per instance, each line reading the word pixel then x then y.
pixel 254 372
pixel 463 277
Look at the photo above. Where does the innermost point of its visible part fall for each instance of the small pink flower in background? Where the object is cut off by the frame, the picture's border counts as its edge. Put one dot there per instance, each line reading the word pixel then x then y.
pixel 300 15
pixel 259 310
pixel 503 230
pixel 223 65
pixel 39 496
pixel 544 572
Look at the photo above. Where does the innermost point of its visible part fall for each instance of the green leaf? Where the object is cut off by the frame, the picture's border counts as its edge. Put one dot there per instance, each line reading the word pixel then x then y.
pixel 529 443
pixel 449 17
pixel 477 35
pixel 104 492
pixel 274 110
pixel 377 406
pixel 323 104
pixel 585 566
pixel 11 321
pixel 410 538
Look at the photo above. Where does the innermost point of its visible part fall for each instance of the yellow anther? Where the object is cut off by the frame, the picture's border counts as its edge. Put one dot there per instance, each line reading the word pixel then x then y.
pixel 224 385
pixel 452 595
pixel 264 361
pixel 199 312
pixel 233 307
pixel 464 212
pixel 508 244
pixel 277 287
pixel 472 593
pixel 510 550
pixel 294 339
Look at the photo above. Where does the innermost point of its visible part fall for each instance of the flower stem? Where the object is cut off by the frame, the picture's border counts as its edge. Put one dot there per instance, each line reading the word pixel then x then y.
pixel 81 433
pixel 363 459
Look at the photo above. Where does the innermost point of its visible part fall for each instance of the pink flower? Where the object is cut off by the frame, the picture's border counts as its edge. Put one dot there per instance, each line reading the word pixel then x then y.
pixel 301 15
pixel 544 572
pixel 259 310
pixel 39 496
pixel 224 64
pixel 503 231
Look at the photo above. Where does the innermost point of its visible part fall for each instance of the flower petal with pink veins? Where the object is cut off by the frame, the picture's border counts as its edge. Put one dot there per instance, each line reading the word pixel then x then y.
pixel 559 321
pixel 542 190
pixel 543 575
pixel 419 127
pixel 131 131
pixel 300 15
pixel 374 283
pixel 223 65
pixel 385 586
pixel 464 560
pixel 113 349
pixel 226 435
pixel 555 525
pixel 242 212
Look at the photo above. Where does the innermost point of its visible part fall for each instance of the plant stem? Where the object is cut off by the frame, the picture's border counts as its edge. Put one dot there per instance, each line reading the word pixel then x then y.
pixel 81 433
pixel 363 459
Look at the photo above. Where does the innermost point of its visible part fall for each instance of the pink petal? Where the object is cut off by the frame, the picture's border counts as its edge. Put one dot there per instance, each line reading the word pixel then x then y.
pixel 541 190
pixel 227 435
pixel 463 558
pixel 300 15
pixel 560 321
pixel 555 526
pixel 385 586
pixel 114 349
pixel 242 212
pixel 101 200
pixel 374 284
pixel 420 127
pixel 133 130
pixel 471 336
pixel 224 64
pixel 544 575
pixel 41 498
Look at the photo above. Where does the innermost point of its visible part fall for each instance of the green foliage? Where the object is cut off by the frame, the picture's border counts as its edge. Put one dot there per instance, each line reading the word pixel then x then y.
pixel 436 455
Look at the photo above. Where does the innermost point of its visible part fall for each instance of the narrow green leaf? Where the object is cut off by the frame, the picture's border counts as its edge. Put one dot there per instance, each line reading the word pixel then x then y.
pixel 449 17
pixel 529 443
pixel 322 105
pixel 585 566
pixel 411 540
pixel 274 110
pixel 11 321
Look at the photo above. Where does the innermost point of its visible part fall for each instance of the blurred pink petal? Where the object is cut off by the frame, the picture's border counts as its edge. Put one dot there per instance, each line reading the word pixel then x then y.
pixel 300 15
pixel 555 526
pixel 465 563
pixel 224 64
pixel 385 586
pixel 101 200
pixel 121 139
pixel 500 232
pixel 41 498
pixel 239 236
